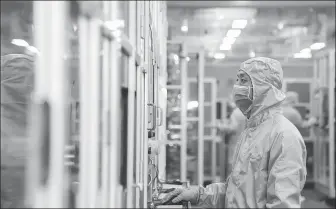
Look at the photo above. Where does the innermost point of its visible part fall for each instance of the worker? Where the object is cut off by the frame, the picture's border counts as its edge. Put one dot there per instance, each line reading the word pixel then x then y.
pixel 16 88
pixel 292 114
pixel 269 166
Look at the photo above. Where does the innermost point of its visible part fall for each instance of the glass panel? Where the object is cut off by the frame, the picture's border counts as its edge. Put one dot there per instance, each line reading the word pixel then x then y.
pixel 192 162
pixel 192 130
pixel 192 100
pixel 173 107
pixel 303 89
pixel 123 14
pixel 218 150
pixel 207 92
pixel 17 82
pixel 207 120
pixel 207 158
pixel 310 158
pixel 173 161
pixel 327 166
pixel 173 70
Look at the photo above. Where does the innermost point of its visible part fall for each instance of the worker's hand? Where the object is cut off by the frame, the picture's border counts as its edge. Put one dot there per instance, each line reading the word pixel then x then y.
pixel 190 194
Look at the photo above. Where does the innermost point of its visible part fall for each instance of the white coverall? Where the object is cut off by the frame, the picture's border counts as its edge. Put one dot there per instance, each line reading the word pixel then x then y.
pixel 269 166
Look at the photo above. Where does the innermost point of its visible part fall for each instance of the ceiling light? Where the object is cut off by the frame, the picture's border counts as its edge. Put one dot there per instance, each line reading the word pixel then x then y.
pixel 280 26
pixel 305 51
pixel 219 56
pixel 240 24
pixel 317 46
pixel 184 28
pixel 188 59
pixel 252 54
pixel 302 55
pixel 221 17
pixel 229 40
pixel 233 33
pixel 20 42
pixel 225 47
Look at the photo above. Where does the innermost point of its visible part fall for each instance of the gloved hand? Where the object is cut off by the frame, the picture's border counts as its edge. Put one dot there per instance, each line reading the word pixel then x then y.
pixel 189 194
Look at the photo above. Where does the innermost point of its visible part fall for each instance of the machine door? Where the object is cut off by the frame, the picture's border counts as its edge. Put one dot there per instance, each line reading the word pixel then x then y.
pixel 324 133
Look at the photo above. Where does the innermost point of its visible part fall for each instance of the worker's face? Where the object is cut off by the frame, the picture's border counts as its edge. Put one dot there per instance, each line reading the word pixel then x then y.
pixel 243 91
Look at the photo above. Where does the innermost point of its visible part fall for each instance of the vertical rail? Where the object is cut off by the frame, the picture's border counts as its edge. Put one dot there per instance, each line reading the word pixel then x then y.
pixel 84 107
pixel 50 74
pixel 94 88
pixel 184 103
pixel 213 131
pixel 131 103
pixel 89 97
pixel 139 108
pixel 314 107
pixel 331 116
pixel 106 115
pixel 145 96
pixel 115 114
pixel 200 166
pixel 59 103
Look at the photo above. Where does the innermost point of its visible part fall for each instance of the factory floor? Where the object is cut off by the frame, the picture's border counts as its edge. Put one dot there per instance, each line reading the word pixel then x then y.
pixel 313 199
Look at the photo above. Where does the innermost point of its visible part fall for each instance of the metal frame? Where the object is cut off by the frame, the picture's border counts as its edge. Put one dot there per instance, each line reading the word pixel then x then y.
pixel 200 158
pixel 184 105
pixel 321 70
pixel 94 22
pixel 50 74
pixel 213 136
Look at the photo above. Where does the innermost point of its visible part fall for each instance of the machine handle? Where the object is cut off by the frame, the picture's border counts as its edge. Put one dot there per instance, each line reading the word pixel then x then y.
pixel 160 116
pixel 153 118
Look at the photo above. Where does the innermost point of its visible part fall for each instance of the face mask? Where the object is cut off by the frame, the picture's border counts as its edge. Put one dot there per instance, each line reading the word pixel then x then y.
pixel 242 98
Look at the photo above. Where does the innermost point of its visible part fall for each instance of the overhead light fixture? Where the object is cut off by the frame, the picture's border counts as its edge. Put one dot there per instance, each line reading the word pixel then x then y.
pixel 252 54
pixel 302 55
pixel 305 51
pixel 229 40
pixel 184 27
pixel 233 33
pixel 188 59
pixel 317 46
pixel 225 47
pixel 280 26
pixel 221 17
pixel 219 56
pixel 239 24
pixel 20 42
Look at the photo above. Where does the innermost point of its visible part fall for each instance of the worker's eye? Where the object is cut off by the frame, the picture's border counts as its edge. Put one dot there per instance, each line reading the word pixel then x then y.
pixel 243 80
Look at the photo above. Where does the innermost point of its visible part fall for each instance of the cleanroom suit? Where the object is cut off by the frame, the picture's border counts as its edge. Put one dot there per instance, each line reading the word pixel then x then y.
pixel 269 164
